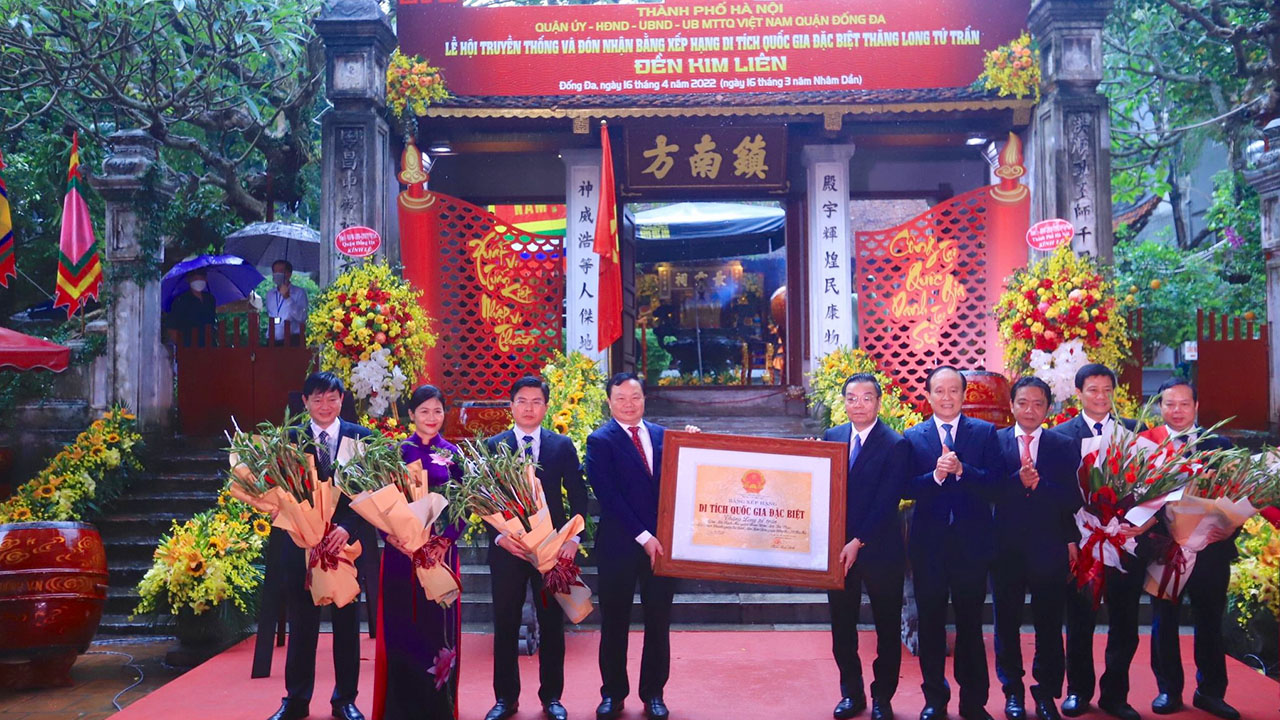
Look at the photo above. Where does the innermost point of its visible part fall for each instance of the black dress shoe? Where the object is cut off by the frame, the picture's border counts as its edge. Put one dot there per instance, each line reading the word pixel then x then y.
pixel 848 707
pixel 1122 710
pixel 881 710
pixel 933 713
pixel 977 714
pixel 1166 704
pixel 608 709
pixel 501 710
pixel 1013 708
pixel 347 711
pixel 655 709
pixel 1046 710
pixel 1074 705
pixel 290 711
pixel 553 710
pixel 1215 706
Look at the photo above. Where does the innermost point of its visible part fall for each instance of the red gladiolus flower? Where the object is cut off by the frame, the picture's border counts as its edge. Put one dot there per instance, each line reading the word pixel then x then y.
pixel 1131 477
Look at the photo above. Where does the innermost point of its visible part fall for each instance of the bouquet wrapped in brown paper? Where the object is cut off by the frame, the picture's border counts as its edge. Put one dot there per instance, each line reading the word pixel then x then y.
pixel 395 498
pixel 502 487
pixel 1214 504
pixel 272 471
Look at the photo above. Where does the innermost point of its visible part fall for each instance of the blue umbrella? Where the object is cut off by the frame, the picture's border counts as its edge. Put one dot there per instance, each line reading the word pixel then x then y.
pixel 230 278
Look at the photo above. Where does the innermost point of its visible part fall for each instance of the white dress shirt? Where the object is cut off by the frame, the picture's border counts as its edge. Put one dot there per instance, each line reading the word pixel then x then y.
pixel 536 434
pixel 292 308
pixel 647 443
pixel 333 431
pixel 855 433
pixel 1018 434
pixel 1107 422
pixel 942 440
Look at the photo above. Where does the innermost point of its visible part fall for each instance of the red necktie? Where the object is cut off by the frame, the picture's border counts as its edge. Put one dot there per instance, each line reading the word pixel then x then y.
pixel 1026 449
pixel 635 438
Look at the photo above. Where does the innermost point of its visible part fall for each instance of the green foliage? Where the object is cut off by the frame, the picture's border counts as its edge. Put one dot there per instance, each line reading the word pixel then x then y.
pixel 229 88
pixel 658 357
pixel 1188 281
pixel 1178 75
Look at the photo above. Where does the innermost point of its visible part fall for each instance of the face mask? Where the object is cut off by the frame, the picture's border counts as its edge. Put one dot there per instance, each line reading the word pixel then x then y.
pixel 199 285
pixel 277 278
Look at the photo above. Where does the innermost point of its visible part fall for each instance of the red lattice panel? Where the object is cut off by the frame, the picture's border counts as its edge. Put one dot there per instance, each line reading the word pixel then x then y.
pixel 966 337
pixel 474 365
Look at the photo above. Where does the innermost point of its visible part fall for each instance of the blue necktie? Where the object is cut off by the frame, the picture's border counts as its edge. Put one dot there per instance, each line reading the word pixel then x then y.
pixel 1097 428
pixel 950 442
pixel 528 445
pixel 324 460
pixel 853 453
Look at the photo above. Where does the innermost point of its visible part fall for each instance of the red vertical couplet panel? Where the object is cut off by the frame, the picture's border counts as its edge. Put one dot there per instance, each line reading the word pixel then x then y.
pixel 926 287
pixel 494 293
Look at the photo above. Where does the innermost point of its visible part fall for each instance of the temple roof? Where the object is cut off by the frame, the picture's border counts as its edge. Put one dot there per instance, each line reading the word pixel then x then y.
pixel 772 103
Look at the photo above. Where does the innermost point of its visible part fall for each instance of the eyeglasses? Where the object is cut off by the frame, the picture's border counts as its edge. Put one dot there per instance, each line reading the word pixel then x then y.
pixel 522 403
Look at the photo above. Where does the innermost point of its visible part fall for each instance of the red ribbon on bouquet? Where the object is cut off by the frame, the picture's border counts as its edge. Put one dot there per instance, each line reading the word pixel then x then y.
pixel 1175 563
pixel 422 556
pixel 1089 568
pixel 325 557
pixel 559 579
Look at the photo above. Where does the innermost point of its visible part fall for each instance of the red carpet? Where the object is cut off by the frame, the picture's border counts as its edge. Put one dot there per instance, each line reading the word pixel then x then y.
pixel 714 676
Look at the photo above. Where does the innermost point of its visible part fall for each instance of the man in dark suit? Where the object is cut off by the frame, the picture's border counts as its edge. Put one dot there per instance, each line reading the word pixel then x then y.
pixel 624 467
pixel 322 394
pixel 1206 587
pixel 510 571
pixel 1095 387
pixel 873 556
pixel 1031 548
pixel 956 470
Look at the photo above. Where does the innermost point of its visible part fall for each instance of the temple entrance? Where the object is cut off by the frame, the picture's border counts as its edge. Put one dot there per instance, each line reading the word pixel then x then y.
pixel 710 292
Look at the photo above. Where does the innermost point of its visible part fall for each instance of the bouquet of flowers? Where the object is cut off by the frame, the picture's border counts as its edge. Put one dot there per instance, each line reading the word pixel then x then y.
pixel 272 472
pixel 1013 69
pixel 502 487
pixel 211 559
pixel 395 498
pixel 1124 477
pixel 1217 500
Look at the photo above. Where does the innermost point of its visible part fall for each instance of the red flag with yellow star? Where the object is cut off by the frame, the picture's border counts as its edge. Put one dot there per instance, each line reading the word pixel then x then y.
pixel 8 263
pixel 79 269
pixel 609 313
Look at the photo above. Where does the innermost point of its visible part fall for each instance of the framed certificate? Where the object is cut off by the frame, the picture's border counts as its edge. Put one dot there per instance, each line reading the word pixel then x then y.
pixel 752 509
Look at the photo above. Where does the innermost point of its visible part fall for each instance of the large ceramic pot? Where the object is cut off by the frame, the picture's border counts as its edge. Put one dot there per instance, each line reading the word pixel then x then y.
pixel 986 397
pixel 53 584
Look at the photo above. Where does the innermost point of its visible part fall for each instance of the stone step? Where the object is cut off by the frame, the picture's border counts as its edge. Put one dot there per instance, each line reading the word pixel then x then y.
pixel 130 548
pixel 188 502
pixel 181 459
pixel 133 524
pixel 757 401
pixel 210 481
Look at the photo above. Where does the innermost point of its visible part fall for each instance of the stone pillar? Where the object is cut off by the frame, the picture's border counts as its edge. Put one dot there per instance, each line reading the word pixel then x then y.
pixel 1264 176
pixel 830 250
pixel 358 177
pixel 135 369
pixel 582 265
pixel 1072 133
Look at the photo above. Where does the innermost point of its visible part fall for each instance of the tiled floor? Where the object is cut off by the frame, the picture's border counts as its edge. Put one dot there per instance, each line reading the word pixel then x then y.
pixel 99 676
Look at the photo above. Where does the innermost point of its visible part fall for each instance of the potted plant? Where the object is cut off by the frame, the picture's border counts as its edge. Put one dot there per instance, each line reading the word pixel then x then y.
pixel 53 571
pixel 204 579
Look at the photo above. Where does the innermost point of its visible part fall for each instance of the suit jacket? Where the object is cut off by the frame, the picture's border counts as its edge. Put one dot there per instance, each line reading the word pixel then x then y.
pixel 343 516
pixel 875 485
pixel 558 467
pixel 1029 523
pixel 628 494
pixel 967 498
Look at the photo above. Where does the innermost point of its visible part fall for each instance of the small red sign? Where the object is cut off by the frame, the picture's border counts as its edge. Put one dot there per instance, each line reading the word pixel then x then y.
pixel 1050 234
pixel 358 241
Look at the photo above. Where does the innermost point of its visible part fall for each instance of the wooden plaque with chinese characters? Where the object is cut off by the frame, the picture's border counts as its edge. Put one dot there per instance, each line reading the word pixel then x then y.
pixel 752 509
pixel 730 157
